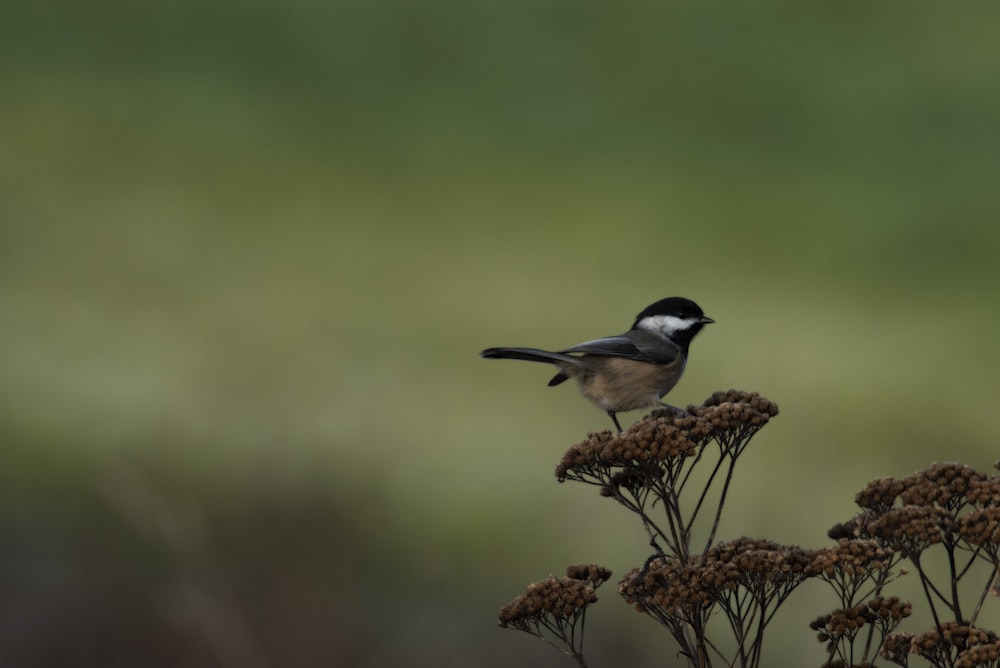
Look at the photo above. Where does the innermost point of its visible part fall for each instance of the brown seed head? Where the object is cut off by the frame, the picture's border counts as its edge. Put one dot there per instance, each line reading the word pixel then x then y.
pixel 852 559
pixel 910 529
pixel 985 491
pixel 592 573
pixel 583 456
pixel 944 484
pixel 733 409
pixel 981 526
pixel 896 647
pixel 977 656
pixel 843 623
pixel 879 495
pixel 938 645
pixel 758 564
pixel 561 598
pixel 650 439
pixel 890 608
pixel 669 586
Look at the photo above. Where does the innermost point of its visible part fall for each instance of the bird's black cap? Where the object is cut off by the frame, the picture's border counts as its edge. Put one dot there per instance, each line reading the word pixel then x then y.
pixel 676 306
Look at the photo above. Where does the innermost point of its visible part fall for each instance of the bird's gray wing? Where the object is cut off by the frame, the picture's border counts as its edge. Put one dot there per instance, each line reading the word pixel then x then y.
pixel 636 345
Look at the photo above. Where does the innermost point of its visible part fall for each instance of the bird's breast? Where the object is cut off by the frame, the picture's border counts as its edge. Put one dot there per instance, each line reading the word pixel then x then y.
pixel 620 384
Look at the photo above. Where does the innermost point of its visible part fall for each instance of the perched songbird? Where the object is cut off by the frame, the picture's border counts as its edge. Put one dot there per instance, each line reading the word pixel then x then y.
pixel 629 371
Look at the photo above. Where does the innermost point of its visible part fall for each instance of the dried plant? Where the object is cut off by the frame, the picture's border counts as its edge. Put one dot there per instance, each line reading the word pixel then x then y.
pixel 674 472
pixel 652 463
pixel 953 510
pixel 746 579
pixel 555 609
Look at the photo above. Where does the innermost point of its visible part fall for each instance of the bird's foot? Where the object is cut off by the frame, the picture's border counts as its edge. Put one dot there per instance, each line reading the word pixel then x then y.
pixel 674 411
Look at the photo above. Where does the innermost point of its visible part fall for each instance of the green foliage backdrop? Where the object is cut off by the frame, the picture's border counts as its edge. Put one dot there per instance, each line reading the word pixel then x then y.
pixel 249 252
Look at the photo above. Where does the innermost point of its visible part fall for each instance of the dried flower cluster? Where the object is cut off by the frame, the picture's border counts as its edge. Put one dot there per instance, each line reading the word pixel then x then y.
pixel 982 655
pixel 943 645
pixel 985 492
pixel 663 436
pixel 689 588
pixel 896 647
pixel 854 568
pixel 558 597
pixel 735 411
pixel 761 567
pixel 764 568
pixel 648 467
pixel 668 587
pixel 746 578
pixel 948 507
pixel 879 495
pixel 890 609
pixel 944 485
pixel 909 529
pixel 873 621
pixel 592 573
pixel 847 621
pixel 553 609
pixel 981 526
pixel 843 623
pixel 563 598
pixel 653 439
pixel 651 463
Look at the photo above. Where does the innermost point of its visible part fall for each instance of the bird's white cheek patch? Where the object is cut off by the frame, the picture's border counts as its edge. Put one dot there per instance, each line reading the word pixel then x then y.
pixel 666 324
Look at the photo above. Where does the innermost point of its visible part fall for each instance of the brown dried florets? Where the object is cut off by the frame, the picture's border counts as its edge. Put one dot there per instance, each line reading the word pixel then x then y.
pixel 910 529
pixel 841 623
pixel 879 495
pixel 733 409
pixel 955 634
pixel 891 608
pixel 666 436
pixel 672 587
pixel 759 565
pixel 896 647
pixel 650 439
pixel 845 624
pixel 850 559
pixel 631 587
pixel 943 484
pixel 985 655
pixel 753 399
pixel 984 491
pixel 981 526
pixel 636 480
pixel 668 586
pixel 585 454
pixel 562 598
pixel 951 638
pixel 696 429
pixel 592 573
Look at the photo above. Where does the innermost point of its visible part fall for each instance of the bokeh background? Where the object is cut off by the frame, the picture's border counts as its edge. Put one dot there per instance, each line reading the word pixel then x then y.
pixel 250 250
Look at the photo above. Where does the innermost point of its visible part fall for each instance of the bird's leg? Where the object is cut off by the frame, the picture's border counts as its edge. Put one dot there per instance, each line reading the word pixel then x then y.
pixel 615 420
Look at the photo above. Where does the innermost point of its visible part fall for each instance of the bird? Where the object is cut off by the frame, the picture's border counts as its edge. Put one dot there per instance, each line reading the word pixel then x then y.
pixel 629 371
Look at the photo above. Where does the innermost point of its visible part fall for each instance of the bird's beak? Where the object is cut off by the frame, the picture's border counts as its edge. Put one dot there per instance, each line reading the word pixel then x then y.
pixel 705 320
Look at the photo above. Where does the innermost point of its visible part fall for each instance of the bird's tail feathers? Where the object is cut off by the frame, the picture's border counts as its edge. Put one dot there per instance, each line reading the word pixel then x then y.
pixel 529 355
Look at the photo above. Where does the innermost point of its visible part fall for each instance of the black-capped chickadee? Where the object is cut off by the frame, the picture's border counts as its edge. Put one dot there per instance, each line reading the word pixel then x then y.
pixel 629 371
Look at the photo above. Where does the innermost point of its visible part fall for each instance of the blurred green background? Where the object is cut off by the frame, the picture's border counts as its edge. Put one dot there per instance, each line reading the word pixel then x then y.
pixel 249 252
